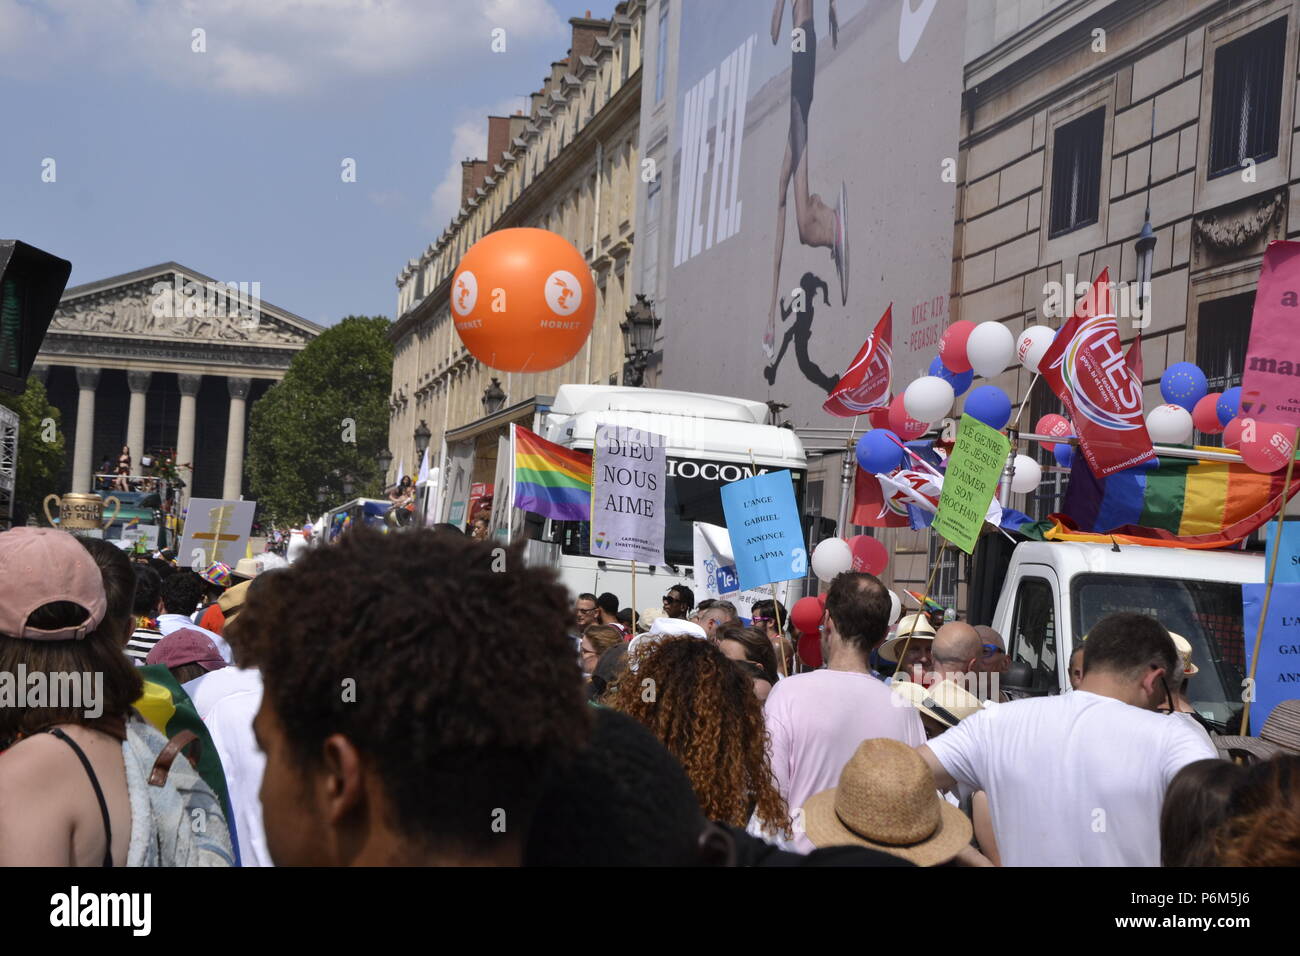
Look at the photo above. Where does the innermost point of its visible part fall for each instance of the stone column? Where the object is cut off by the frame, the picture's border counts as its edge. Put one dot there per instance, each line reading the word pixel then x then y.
pixel 138 382
pixel 189 386
pixel 238 388
pixel 83 465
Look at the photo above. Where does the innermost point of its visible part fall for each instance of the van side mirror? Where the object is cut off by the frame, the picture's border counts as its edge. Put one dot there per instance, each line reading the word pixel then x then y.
pixel 1018 681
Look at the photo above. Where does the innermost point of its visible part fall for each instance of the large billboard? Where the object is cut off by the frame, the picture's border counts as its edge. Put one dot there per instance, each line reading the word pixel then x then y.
pixel 813 183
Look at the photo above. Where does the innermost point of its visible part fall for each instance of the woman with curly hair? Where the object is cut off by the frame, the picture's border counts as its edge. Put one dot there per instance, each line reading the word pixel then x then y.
pixel 702 706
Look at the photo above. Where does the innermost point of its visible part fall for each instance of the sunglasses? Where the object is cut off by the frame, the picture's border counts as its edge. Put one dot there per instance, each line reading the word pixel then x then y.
pixel 991 649
pixel 761 620
pixel 669 599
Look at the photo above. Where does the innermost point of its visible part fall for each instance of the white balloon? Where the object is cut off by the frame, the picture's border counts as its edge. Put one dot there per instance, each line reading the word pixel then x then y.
pixel 895 608
pixel 1033 345
pixel 1170 425
pixel 990 348
pixel 928 399
pixel 830 558
pixel 1028 474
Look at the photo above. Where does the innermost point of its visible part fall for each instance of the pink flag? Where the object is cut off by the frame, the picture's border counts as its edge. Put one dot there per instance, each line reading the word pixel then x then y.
pixel 865 385
pixel 1270 384
pixel 1088 370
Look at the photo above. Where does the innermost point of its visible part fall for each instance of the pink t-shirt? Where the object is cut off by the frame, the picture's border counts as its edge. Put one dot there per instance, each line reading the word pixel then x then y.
pixel 816 722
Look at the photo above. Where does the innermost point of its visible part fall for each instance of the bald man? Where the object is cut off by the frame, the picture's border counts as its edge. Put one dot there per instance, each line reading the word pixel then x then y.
pixel 955 652
pixel 993 651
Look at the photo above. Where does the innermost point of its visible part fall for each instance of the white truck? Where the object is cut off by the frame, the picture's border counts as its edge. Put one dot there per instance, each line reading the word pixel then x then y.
pixel 1054 592
pixel 711 440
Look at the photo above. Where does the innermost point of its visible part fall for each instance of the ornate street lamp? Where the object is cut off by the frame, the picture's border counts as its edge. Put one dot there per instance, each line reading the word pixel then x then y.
pixel 493 397
pixel 422 435
pixel 639 332
pixel 1146 240
pixel 383 458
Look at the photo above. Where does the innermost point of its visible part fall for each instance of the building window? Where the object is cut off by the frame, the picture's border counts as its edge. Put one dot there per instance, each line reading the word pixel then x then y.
pixel 1247 98
pixel 661 54
pixel 1222 334
pixel 1076 173
pixel 944 588
pixel 650 241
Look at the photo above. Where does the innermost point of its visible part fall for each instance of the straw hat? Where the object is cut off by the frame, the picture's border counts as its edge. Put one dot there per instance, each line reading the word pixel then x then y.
pixel 1185 652
pixel 1279 735
pixel 916 626
pixel 947 702
pixel 886 800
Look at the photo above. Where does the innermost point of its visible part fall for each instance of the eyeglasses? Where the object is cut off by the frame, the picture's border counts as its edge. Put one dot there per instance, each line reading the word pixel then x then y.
pixel 761 620
pixel 990 650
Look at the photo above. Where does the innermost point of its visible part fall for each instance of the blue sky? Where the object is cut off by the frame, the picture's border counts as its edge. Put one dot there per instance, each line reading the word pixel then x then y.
pixel 229 159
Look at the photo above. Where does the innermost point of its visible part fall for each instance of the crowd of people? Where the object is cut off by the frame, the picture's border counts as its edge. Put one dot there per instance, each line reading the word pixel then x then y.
pixel 443 710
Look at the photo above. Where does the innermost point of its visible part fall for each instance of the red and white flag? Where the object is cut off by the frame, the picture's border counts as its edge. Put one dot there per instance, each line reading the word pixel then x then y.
pixel 872 505
pixel 865 384
pixel 1087 369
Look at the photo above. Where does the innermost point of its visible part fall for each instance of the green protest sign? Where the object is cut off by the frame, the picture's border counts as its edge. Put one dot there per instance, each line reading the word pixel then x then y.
pixel 969 482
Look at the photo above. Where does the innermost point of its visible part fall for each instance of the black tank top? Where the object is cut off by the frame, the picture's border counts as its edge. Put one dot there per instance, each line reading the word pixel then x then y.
pixel 99 792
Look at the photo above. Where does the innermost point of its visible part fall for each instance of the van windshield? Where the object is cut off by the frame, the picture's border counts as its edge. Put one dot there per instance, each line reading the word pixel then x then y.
pixel 1207 613
pixel 694 493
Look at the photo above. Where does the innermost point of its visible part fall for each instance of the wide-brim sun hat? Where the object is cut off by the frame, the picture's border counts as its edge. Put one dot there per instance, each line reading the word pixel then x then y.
pixel 1279 735
pixel 886 801
pixel 915 626
pixel 947 702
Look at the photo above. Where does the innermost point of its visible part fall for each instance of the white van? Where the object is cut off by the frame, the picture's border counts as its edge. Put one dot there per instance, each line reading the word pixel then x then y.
pixel 711 440
pixel 1054 592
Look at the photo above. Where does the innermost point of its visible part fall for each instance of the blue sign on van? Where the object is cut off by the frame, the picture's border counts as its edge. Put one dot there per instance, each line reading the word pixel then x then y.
pixel 766 535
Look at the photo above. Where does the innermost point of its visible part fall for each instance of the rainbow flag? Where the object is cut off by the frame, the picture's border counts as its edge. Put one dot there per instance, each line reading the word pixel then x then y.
pixel 1181 503
pixel 550 480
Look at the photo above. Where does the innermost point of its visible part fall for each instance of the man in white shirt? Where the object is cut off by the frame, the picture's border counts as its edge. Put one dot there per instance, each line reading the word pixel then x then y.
pixel 180 596
pixel 817 720
pixel 1078 779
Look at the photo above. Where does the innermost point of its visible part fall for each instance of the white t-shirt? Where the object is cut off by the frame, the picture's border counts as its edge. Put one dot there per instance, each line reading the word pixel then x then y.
pixel 816 722
pixel 1072 780
pixel 227 700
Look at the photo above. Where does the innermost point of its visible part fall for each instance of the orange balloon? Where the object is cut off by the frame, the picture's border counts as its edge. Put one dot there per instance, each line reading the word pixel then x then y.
pixel 522 300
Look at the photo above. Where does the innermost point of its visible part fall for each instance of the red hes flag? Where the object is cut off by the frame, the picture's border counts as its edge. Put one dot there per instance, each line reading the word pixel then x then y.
pixel 865 385
pixel 1087 369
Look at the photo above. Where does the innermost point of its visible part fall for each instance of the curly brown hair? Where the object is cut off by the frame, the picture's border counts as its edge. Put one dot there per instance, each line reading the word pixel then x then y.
pixel 1263 826
pixel 702 706
pixel 460 709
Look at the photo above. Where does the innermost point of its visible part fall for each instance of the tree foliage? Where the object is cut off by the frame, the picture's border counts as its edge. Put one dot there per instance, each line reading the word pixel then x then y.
pixel 321 426
pixel 40 447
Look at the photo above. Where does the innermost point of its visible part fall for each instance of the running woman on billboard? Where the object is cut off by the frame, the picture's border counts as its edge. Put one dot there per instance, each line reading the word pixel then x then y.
pixel 819 225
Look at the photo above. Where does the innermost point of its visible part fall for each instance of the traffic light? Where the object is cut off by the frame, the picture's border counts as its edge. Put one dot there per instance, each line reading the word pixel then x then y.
pixel 31 284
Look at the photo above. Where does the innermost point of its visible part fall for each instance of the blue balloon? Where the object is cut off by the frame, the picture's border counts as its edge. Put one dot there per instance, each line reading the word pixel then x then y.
pixel 1228 405
pixel 1183 384
pixel 880 451
pixel 989 404
pixel 1064 455
pixel 960 381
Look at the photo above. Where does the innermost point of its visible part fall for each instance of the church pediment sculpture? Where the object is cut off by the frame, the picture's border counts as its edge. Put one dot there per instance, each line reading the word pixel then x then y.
pixel 179 306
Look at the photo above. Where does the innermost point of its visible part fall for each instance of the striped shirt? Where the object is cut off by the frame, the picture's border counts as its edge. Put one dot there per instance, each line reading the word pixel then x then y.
pixel 141 643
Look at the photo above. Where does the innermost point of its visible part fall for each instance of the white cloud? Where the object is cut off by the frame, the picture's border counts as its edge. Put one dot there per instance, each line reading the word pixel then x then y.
pixel 468 141
pixel 283 47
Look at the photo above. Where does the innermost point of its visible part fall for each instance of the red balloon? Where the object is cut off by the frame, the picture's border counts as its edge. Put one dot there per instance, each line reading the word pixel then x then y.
pixel 879 418
pixel 1265 446
pixel 810 650
pixel 523 300
pixel 1205 415
pixel 1232 434
pixel 821 599
pixel 806 615
pixel 952 347
pixel 902 424
pixel 868 554
pixel 1056 425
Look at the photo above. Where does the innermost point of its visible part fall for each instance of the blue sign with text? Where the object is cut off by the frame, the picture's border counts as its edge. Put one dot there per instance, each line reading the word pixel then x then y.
pixel 763 524
pixel 1277 676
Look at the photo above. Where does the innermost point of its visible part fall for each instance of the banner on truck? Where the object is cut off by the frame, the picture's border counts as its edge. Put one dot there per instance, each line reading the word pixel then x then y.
pixel 629 477
pixel 715 573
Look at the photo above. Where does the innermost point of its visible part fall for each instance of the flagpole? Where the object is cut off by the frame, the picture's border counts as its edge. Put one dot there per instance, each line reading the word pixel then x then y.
pixel 634 612
pixel 1268 587
pixel 1025 401
pixel 924 597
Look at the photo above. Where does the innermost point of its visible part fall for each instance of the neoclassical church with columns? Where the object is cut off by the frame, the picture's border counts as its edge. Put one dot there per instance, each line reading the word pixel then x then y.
pixel 164 358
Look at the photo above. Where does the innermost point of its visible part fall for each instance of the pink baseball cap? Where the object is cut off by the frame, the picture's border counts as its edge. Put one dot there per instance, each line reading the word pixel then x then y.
pixel 186 645
pixel 39 566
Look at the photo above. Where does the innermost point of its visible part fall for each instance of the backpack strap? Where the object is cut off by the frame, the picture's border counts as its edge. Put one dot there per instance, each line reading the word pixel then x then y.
pixel 163 765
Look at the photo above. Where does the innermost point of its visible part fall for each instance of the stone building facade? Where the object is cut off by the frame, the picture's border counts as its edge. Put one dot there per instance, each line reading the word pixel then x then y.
pixel 164 359
pixel 570 166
